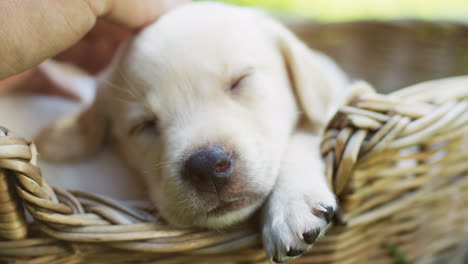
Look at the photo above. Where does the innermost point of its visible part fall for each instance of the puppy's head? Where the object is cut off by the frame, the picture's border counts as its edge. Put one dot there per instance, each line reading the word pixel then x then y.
pixel 203 103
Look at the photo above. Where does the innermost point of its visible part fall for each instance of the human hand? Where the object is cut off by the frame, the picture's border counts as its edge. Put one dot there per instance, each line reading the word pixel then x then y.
pixel 87 31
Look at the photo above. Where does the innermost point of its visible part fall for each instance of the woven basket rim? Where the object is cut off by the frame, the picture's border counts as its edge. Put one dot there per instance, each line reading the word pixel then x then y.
pixel 80 217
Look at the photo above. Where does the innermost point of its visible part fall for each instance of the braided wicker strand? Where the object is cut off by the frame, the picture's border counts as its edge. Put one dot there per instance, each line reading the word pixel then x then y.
pixel 77 217
pixel 12 220
pixel 397 165
pixel 406 151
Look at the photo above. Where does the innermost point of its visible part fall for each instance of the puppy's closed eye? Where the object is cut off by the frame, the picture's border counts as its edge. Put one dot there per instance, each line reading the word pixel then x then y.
pixel 238 81
pixel 145 126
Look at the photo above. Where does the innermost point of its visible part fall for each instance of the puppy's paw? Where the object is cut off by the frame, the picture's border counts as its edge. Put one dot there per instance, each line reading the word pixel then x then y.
pixel 293 221
pixel 70 138
pixel 61 141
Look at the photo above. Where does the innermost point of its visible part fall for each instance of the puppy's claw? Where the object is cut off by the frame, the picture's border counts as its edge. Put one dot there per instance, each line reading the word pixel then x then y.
pixel 326 213
pixel 329 214
pixel 295 252
pixel 321 208
pixel 311 236
pixel 294 220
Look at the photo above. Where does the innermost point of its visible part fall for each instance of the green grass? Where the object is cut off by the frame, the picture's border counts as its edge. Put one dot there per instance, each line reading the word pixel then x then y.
pixel 347 10
pixel 399 256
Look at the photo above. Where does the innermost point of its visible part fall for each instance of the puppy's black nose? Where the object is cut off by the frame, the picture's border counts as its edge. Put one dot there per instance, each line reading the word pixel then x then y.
pixel 208 169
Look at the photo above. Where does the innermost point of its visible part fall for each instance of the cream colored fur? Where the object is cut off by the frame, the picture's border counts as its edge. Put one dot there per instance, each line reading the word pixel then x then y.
pixel 178 72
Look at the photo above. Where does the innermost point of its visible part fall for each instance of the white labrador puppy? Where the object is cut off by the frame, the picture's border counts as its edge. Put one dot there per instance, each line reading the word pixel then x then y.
pixel 221 109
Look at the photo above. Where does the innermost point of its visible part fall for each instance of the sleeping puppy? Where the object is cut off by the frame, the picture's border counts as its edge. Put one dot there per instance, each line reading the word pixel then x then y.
pixel 221 110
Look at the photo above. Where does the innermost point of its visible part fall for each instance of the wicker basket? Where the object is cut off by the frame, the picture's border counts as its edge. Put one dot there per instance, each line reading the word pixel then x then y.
pixel 397 162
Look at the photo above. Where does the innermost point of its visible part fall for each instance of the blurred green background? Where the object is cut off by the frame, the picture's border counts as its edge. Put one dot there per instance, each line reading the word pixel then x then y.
pixel 349 10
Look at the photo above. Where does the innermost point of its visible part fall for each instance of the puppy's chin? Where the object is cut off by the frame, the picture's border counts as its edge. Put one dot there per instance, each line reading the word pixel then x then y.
pixel 218 218
pixel 230 218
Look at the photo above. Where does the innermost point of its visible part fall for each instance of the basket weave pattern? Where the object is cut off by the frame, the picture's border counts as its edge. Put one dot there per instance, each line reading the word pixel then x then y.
pixel 397 163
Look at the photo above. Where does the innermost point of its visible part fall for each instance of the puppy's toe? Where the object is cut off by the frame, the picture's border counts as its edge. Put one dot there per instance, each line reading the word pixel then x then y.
pixel 311 236
pixel 295 252
pixel 290 228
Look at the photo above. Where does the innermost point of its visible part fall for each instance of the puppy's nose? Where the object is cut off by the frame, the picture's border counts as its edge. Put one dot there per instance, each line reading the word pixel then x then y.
pixel 209 169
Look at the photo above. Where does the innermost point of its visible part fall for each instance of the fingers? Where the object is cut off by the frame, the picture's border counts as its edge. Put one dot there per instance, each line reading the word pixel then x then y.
pixel 97 48
pixel 33 31
pixel 35 81
pixel 16 81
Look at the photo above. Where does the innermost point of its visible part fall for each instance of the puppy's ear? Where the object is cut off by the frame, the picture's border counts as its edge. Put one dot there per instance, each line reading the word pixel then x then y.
pixel 78 135
pixel 317 81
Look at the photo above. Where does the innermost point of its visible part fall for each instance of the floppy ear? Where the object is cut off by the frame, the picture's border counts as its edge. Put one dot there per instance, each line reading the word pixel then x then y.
pixel 74 136
pixel 317 81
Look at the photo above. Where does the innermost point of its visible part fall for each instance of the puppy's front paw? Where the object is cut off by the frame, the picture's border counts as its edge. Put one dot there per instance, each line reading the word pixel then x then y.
pixel 292 221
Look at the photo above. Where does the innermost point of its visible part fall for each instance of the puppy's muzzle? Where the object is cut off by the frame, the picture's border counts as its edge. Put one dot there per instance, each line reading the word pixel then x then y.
pixel 209 169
